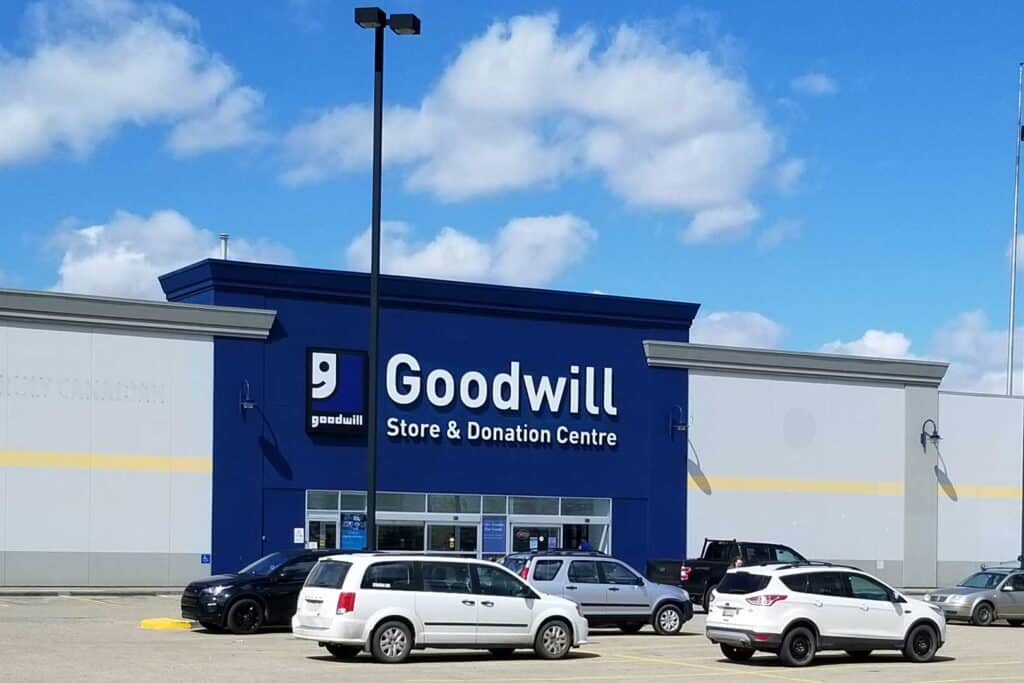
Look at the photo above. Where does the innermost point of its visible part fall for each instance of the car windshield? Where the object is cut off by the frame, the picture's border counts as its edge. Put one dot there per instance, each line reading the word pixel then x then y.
pixel 983 580
pixel 265 565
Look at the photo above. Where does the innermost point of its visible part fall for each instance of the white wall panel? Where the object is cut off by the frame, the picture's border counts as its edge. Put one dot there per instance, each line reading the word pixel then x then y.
pixel 979 513
pixel 762 433
pixel 48 509
pixel 191 503
pixel 131 512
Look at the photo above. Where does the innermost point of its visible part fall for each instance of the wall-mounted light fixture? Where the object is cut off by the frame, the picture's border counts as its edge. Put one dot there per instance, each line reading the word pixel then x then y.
pixel 927 436
pixel 245 399
pixel 676 421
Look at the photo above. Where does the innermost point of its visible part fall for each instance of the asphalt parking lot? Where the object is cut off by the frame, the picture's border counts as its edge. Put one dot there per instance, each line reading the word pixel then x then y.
pixel 97 638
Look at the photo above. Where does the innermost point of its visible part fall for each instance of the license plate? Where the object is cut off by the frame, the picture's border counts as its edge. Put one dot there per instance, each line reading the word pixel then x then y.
pixel 729 611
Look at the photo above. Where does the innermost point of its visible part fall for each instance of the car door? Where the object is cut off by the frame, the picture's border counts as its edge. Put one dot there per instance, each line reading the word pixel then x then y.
pixel 833 611
pixel 447 605
pixel 878 616
pixel 585 587
pixel 625 592
pixel 282 591
pixel 1012 597
pixel 505 607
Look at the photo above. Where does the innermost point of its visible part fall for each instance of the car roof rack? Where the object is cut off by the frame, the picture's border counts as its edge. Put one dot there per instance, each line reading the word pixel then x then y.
pixel 562 552
pixel 808 563
pixel 1009 564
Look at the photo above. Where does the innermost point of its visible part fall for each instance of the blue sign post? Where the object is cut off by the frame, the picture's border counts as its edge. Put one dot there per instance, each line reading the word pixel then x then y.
pixel 494 534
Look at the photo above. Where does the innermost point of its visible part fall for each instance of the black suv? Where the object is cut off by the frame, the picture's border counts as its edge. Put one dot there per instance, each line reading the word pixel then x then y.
pixel 261 594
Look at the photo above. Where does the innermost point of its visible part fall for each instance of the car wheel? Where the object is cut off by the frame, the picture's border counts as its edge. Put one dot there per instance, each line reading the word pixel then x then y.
pixel 798 647
pixel 502 651
pixel 210 626
pixel 736 654
pixel 668 620
pixel 983 614
pixel 1015 622
pixel 342 651
pixel 707 597
pixel 245 616
pixel 921 644
pixel 391 642
pixel 859 654
pixel 553 640
pixel 630 628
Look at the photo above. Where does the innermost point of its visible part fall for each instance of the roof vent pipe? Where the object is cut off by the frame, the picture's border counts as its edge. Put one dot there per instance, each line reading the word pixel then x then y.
pixel 224 246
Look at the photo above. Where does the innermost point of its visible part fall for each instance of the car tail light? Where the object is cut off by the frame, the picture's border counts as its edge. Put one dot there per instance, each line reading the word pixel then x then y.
pixel 524 571
pixel 765 600
pixel 346 603
pixel 684 573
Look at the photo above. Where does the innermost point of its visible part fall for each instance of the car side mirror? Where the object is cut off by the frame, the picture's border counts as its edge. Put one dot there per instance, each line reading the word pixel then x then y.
pixel 1007 587
pixel 899 599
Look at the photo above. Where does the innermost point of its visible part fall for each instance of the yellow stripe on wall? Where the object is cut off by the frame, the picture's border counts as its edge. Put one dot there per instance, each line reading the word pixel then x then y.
pixel 860 488
pixel 104 461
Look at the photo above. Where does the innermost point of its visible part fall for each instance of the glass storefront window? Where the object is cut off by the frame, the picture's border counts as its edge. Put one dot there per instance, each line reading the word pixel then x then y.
pixel 400 537
pixel 438 502
pixel 353 501
pixel 325 534
pixel 322 500
pixel 402 502
pixel 586 507
pixel 522 505
pixel 453 538
pixel 494 505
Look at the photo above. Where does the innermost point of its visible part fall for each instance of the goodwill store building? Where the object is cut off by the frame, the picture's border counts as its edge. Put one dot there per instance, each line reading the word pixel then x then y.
pixel 149 443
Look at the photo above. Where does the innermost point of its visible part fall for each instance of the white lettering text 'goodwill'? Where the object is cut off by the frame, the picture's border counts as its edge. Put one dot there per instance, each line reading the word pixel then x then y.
pixel 406 383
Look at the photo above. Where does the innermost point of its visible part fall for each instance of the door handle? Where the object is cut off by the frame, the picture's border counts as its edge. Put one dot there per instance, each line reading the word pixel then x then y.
pixel 865 608
pixel 817 603
pixel 570 588
pixel 613 588
pixel 487 603
pixel 468 602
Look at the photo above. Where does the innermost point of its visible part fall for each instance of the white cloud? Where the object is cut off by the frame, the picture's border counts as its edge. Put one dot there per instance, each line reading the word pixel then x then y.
pixel 873 343
pixel 523 105
pixel 721 222
pixel 815 84
pixel 737 328
pixel 779 232
pixel 977 354
pixel 94 66
pixel 530 251
pixel 789 173
pixel 124 256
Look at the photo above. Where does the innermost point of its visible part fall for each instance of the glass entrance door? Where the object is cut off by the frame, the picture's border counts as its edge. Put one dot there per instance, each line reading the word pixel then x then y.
pixel 526 538
pixel 323 532
pixel 453 538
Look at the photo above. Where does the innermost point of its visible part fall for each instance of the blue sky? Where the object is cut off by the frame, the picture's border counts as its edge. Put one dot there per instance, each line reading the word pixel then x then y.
pixel 819 177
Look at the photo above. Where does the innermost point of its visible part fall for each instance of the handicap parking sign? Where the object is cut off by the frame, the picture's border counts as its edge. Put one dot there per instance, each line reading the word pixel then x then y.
pixel 204 558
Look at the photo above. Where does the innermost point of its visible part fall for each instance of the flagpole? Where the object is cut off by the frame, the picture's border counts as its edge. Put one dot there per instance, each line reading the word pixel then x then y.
pixel 1013 246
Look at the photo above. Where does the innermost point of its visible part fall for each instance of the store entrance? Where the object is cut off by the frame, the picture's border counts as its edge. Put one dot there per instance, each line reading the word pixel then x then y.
pixel 527 538
pixel 453 538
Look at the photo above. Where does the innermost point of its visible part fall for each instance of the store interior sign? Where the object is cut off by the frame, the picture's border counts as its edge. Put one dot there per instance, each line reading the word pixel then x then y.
pixel 336 384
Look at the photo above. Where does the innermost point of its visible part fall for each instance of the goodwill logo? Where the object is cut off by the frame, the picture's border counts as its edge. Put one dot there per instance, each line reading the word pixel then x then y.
pixel 335 391
pixel 581 391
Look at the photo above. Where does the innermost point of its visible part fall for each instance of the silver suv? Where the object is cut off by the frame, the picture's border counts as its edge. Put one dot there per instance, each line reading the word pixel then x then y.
pixel 981 598
pixel 608 591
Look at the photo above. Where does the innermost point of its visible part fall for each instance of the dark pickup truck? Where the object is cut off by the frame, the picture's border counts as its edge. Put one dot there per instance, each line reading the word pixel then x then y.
pixel 699 576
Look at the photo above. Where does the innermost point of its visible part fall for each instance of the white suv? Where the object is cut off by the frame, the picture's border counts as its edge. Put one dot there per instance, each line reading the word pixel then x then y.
pixel 796 610
pixel 390 604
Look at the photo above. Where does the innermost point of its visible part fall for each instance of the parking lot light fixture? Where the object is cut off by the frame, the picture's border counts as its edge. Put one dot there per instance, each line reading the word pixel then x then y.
pixel 402 24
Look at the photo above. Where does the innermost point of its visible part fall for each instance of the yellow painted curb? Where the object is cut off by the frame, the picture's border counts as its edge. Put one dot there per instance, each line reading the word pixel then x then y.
pixel 166 624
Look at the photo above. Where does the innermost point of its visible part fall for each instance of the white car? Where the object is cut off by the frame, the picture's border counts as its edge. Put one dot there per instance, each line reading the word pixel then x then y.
pixel 391 604
pixel 796 610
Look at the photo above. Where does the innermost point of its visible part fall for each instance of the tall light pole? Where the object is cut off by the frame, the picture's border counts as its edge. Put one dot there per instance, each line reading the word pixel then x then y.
pixel 402 24
pixel 1013 245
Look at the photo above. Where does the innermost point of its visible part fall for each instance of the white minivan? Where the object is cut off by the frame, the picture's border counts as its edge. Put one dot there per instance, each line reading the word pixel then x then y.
pixel 391 604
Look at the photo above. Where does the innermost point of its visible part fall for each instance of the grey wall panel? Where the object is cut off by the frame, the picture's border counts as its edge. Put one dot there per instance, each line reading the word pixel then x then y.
pixel 129 569
pixel 46 569
pixel 48 509
pixel 184 568
pixel 920 498
pixel 776 458
pixel 130 512
pixel 979 477
pixel 190 505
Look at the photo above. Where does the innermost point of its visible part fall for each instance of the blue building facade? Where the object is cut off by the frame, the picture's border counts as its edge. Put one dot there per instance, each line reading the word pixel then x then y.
pixel 508 418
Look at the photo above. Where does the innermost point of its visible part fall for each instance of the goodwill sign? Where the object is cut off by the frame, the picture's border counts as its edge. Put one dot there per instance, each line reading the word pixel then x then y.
pixel 582 391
